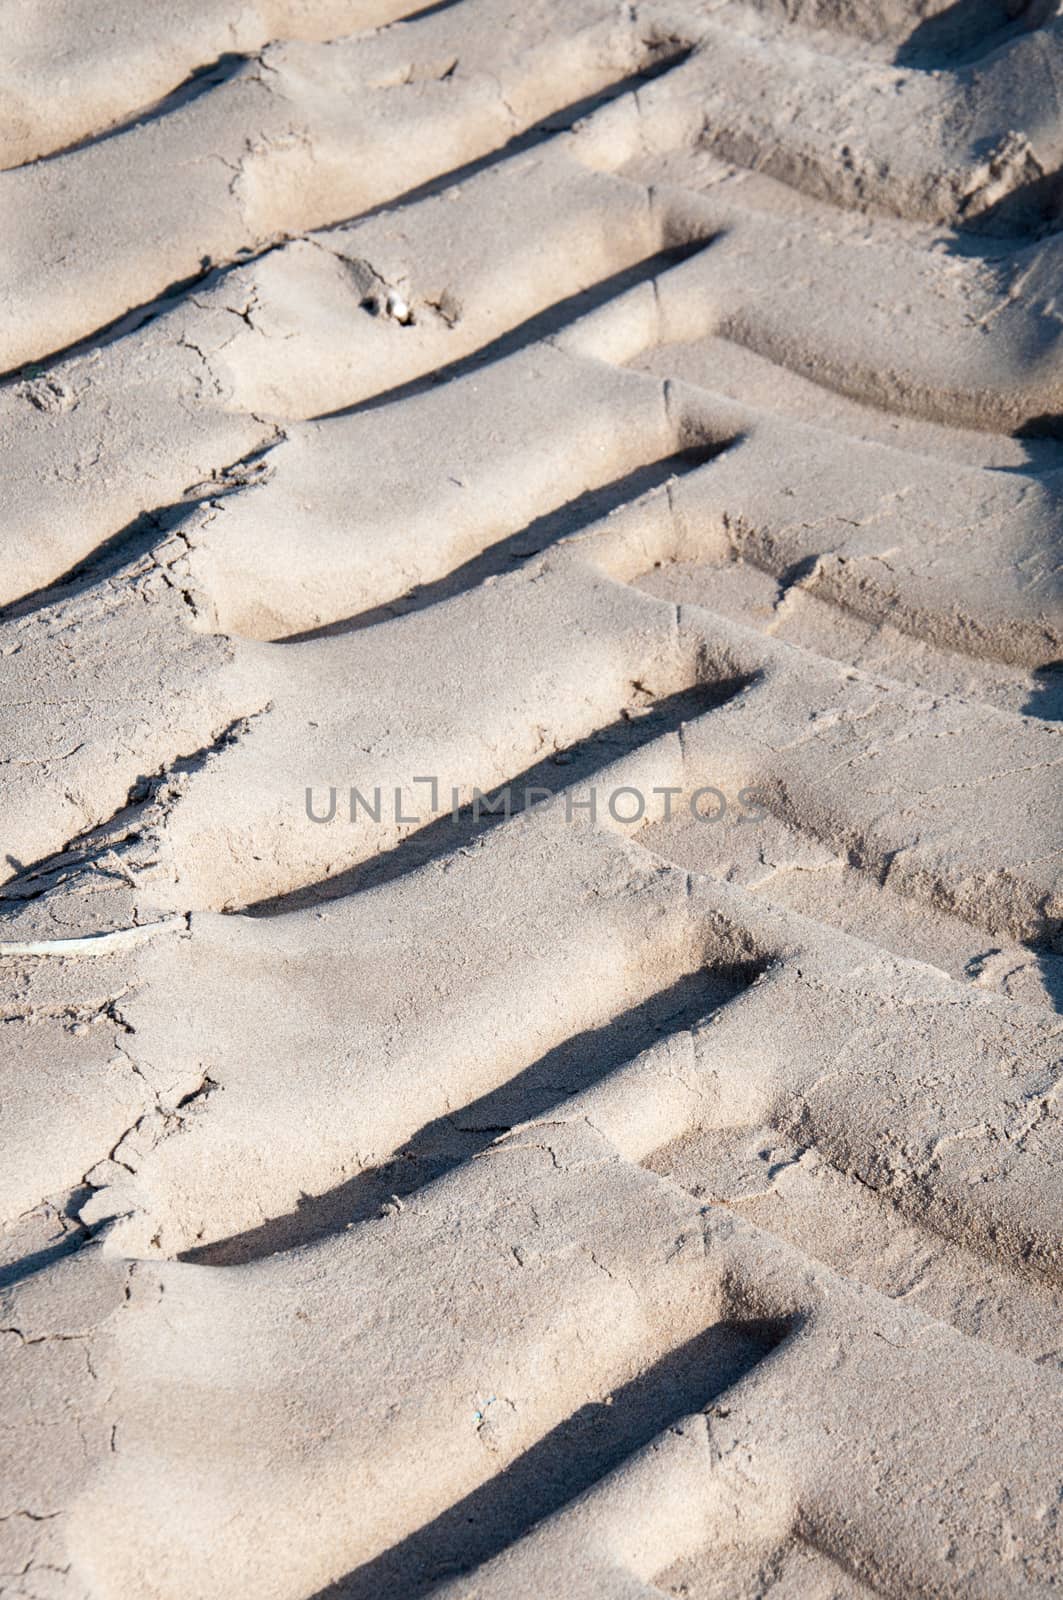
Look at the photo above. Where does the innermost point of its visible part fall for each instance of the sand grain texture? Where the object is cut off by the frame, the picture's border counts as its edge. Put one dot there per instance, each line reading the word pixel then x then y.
pixel 531 1200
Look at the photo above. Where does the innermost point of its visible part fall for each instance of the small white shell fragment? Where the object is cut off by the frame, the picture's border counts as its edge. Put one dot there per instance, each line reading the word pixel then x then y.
pixel 93 944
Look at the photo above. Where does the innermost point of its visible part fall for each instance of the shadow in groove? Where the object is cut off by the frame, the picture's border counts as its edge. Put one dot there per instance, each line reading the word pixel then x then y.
pixel 1028 212
pixel 587 508
pixel 558 771
pixel 427 11
pixel 210 76
pixel 152 527
pixel 448 1141
pixel 123 548
pixel 551 320
pixel 575 1455
pixel 967 30
pixel 1047 425
pixel 1050 963
pixel 100 849
pixel 1045 700
pixel 558 121
pixel 62 1244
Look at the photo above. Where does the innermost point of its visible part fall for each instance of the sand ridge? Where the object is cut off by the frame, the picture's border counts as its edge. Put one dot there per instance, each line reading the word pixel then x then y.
pixel 522 1199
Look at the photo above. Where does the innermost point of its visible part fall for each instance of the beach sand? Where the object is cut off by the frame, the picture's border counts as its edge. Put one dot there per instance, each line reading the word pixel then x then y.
pixel 530 920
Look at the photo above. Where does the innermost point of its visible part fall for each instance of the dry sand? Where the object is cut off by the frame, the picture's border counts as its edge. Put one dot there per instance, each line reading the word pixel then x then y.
pixel 557 396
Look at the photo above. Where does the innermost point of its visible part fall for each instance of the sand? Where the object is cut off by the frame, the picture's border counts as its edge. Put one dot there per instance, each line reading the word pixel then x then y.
pixel 450 460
